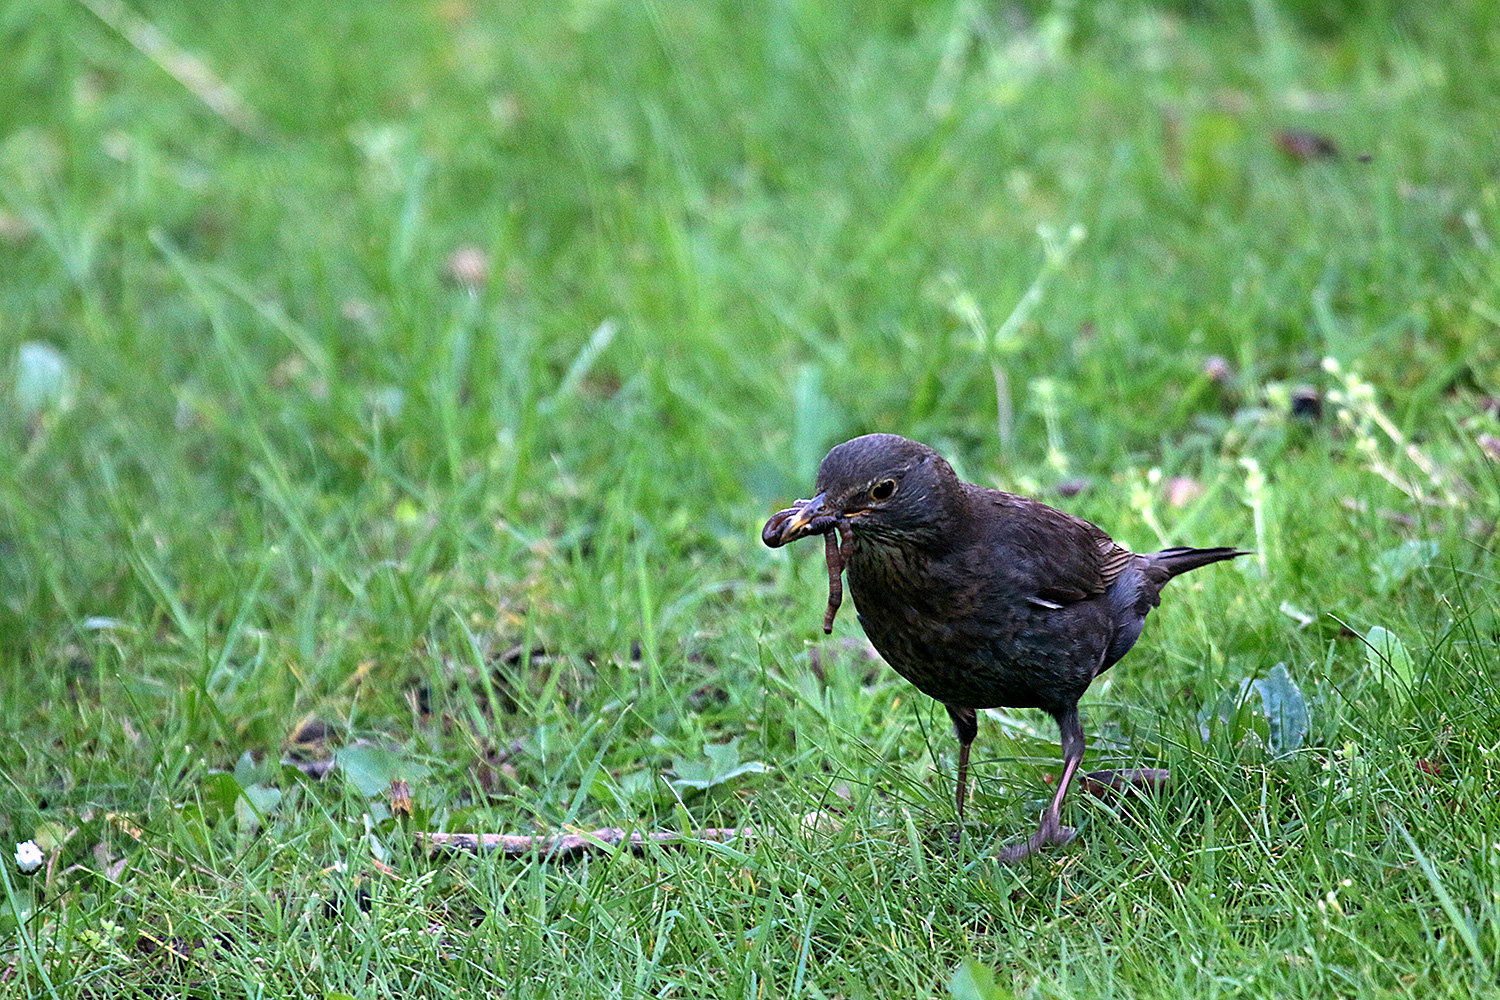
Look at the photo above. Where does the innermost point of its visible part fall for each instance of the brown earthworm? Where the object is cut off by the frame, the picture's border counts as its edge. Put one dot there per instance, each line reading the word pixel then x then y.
pixel 836 550
pixel 836 544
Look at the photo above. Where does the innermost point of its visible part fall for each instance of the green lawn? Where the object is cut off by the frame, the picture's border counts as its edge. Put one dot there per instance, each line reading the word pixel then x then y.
pixel 404 386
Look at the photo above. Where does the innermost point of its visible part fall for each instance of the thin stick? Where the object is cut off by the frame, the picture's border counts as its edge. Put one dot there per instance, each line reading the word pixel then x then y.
pixel 569 845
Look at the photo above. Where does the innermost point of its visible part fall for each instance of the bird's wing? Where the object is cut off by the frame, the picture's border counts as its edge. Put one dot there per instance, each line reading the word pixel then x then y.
pixel 1060 559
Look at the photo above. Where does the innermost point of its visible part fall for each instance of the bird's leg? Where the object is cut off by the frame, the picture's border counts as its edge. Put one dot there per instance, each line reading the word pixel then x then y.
pixel 966 727
pixel 1051 830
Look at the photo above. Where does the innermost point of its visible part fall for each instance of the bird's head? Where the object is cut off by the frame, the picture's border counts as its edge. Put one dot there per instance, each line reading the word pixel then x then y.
pixel 882 486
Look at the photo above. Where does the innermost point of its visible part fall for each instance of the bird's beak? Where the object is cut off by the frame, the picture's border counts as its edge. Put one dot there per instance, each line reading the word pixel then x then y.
pixel 806 517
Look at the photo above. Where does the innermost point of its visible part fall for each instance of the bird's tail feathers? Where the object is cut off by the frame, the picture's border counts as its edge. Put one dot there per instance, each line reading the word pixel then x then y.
pixel 1182 558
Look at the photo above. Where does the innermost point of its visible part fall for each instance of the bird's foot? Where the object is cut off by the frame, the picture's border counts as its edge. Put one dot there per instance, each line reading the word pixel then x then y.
pixel 1050 832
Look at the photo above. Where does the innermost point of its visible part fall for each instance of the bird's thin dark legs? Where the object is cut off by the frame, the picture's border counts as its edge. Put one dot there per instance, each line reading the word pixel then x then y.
pixel 966 727
pixel 1051 830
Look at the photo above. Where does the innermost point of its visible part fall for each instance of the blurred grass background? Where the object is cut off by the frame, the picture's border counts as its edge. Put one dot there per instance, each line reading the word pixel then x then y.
pixel 405 385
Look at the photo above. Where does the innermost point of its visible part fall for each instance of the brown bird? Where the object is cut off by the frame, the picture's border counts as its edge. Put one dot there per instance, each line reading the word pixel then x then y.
pixel 981 598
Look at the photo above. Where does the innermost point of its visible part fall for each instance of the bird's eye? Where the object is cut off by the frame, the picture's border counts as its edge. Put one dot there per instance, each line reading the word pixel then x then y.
pixel 883 490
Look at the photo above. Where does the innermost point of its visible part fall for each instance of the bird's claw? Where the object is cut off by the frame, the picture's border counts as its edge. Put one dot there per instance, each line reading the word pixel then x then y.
pixel 1050 832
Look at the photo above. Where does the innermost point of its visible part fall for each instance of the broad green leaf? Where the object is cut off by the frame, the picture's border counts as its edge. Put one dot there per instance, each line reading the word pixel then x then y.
pixel 1393 566
pixel 264 798
pixel 19 908
pixel 1278 718
pixel 50 836
pixel 973 980
pixel 1225 712
pixel 1285 709
pixel 245 770
pixel 254 802
pixel 220 792
pixel 372 769
pixel 723 764
pixel 1389 660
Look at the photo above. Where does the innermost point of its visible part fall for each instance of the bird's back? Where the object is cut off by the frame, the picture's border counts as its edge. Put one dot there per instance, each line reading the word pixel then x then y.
pixel 1021 608
pixel 1010 611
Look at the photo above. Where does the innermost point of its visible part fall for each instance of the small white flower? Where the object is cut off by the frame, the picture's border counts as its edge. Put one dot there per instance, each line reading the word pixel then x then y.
pixel 28 856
